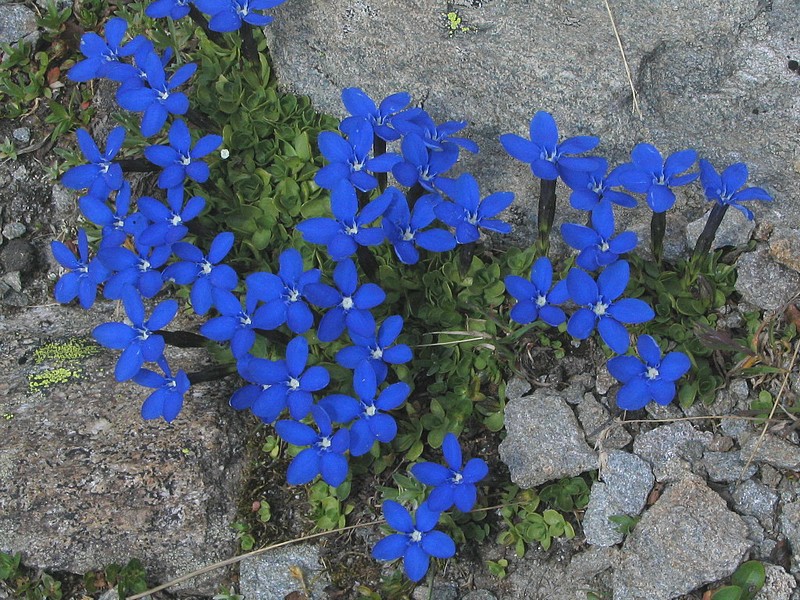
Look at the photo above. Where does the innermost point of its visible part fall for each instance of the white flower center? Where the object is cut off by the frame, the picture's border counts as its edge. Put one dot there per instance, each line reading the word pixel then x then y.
pixel 540 300
pixel 416 536
pixel 472 218
pixel 176 219
pixel 600 308
pixel 104 167
pixel 163 95
pixel 294 383
pixel 351 229
pixel 371 410
pixel 325 443
pixel 377 353
pixel 244 320
pixel 185 160
pixel 652 373
pixel 408 235
pixel 347 303
pixel 143 332
pixel 457 477
pixel 144 265
pixel 205 267
pixel 604 246
pixel 294 295
pixel 118 224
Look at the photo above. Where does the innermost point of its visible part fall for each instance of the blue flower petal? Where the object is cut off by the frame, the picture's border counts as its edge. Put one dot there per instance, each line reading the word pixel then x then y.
pixel 304 468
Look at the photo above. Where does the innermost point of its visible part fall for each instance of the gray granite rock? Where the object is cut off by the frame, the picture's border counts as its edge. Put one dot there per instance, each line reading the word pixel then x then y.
pixel 735 229
pixel 544 441
pixel 779 584
pixel 18 255
pixel 784 247
pixel 771 450
pixel 16 22
pixel 445 591
pixel 687 538
pixel 479 595
pixel 727 467
pixel 789 525
pixel 757 500
pixel 22 134
pixel 601 431
pixel 672 449
pixel 709 75
pixel 763 282
pixel 85 482
pixel 13 230
pixel 626 482
pixel 269 575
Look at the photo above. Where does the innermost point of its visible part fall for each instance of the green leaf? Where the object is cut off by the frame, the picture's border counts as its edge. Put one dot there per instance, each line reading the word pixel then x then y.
pixel 750 576
pixel 729 592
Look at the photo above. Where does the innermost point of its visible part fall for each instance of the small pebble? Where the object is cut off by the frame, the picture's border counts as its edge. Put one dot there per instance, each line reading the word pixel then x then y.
pixel 12 231
pixel 22 134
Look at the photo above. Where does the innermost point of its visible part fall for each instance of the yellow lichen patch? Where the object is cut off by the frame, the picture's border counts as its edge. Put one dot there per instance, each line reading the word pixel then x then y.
pixel 38 382
pixel 75 348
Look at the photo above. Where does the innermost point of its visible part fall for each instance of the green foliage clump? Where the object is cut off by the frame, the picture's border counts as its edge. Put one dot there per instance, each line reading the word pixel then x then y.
pixel 524 525
pixel 746 582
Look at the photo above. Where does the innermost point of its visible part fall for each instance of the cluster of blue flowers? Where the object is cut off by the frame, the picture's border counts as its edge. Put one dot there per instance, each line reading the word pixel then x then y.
pixel 598 301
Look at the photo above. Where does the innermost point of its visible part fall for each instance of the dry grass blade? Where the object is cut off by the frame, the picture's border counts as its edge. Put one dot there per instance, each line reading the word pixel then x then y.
pixel 634 95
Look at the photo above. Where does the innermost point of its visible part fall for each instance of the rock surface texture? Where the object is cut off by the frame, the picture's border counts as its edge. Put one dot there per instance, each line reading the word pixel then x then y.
pixel 85 482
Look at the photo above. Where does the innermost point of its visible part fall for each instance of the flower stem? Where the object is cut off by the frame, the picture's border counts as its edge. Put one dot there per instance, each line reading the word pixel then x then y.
pixel 658 225
pixel 414 194
pixel 546 215
pixel 249 48
pixel 200 19
pixel 367 262
pixel 137 165
pixel 183 339
pixel 213 373
pixel 200 120
pixel 465 253
pixel 378 148
pixel 706 239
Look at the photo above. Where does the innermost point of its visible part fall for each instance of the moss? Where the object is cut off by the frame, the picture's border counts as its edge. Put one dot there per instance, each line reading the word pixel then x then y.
pixel 75 348
pixel 41 381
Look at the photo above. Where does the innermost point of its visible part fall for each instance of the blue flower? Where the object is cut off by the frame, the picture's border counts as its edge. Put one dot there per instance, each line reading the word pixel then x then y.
pixel 167 222
pixel 548 159
pixel 452 484
pixel 174 9
pixel 596 245
pixel 325 454
pixel 652 378
pixel 349 160
pixel 350 304
pixel 362 107
pixel 437 137
pixel 228 15
pixel 179 160
pixel 167 399
pixel 84 276
pixel 535 299
pixel 284 294
pixel 117 224
pixel 469 213
pixel 140 270
pixel 377 350
pixel 139 342
pixel 101 176
pixel 102 57
pixel 158 98
pixel 236 324
pixel 421 164
pixel 402 227
pixel 290 382
pixel 650 174
pixel 600 307
pixel 592 189
pixel 203 272
pixel 728 189
pixel 371 421
pixel 417 540
pixel 348 229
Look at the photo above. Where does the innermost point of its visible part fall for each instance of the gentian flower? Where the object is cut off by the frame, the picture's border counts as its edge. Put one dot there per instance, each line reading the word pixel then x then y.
pixel 203 272
pixel 236 324
pixel 140 270
pixel 650 174
pixel 174 9
pixel 548 159
pixel 290 382
pixel 349 305
pixel 597 245
pixel 377 350
pixel 84 276
pixel 158 98
pixel 402 227
pixel 362 107
pixel 101 176
pixel 600 307
pixel 349 161
pixel 167 399
pixel 728 188
pixel 117 224
pixel 437 137
pixel 284 293
pixel 421 164
pixel 452 484
pixel 179 160
pixel 139 342
pixel 592 189
pixel 325 454
pixel 417 540
pixel 469 212
pixel 535 299
pixel 652 378
pixel 228 15
pixel 372 423
pixel 102 56
pixel 167 222
pixel 348 229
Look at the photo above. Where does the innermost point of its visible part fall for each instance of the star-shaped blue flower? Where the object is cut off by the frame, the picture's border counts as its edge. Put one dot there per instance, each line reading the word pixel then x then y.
pixel 137 269
pixel 535 299
pixel 167 399
pixel 362 107
pixel 455 483
pixel 648 173
pixel 469 213
pixel 378 349
pixel 167 222
pixel 421 164
pixel 102 175
pixel 592 189
pixel 84 275
pixel 728 188
pixel 597 245
pixel 102 56
pixel 437 137
pixel 548 159
pixel 601 308
pixel 404 227
pixel 235 324
pixel 416 541
pixel 180 160
pixel 117 223
pixel 651 378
